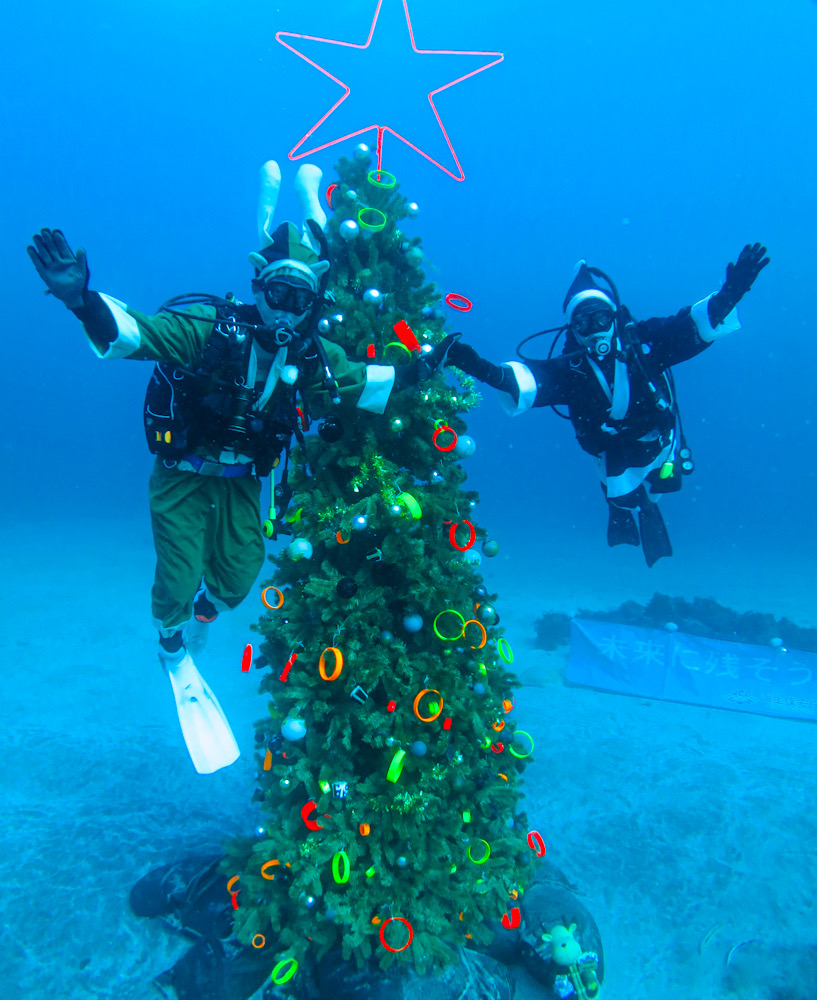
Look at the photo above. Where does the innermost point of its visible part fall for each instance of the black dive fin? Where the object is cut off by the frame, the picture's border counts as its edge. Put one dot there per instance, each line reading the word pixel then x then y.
pixel 621 526
pixel 654 536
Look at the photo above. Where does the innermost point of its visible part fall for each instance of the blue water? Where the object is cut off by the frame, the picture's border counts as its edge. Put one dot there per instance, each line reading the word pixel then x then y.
pixel 653 140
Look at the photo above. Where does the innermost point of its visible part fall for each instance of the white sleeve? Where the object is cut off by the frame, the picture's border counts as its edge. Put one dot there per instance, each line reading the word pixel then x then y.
pixel 707 332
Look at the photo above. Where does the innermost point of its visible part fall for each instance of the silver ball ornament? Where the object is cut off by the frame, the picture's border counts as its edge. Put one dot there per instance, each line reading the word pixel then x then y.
pixel 324 326
pixel 309 902
pixel 487 614
pixel 471 558
pixel 412 623
pixel 351 194
pixel 490 548
pixel 260 831
pixel 465 446
pixel 419 749
pixel 360 523
pixel 436 478
pixel 362 153
pixel 293 729
pixel 412 208
pixel 479 689
pixel 373 297
pixel 415 255
pixel 401 862
pixel 671 627
pixel 348 230
pixel 396 424
pixel 336 318
pixel 299 549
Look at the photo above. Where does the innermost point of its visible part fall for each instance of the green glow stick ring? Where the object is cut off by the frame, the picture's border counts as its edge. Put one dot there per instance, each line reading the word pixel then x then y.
pixel 485 857
pixel 411 505
pixel 341 858
pixel 374 178
pixel 396 343
pixel 521 756
pixel 373 227
pixel 277 976
pixel 449 638
pixel 504 650
pixel 396 766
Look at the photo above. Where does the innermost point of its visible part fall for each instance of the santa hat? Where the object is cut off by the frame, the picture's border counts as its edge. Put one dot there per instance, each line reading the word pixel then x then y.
pixel 289 253
pixel 583 287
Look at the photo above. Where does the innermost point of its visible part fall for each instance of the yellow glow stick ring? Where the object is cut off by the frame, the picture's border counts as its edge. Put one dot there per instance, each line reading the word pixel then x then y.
pixel 338 664
pixel 473 621
pixel 427 718
pixel 272 607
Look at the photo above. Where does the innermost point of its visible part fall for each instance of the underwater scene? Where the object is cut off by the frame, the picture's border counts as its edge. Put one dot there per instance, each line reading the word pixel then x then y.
pixel 431 613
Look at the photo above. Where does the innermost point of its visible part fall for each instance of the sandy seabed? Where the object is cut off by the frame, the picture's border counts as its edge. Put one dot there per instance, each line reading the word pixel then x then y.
pixel 688 830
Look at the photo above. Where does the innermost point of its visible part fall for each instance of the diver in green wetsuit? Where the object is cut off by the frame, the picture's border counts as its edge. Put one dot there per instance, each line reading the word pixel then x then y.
pixel 231 385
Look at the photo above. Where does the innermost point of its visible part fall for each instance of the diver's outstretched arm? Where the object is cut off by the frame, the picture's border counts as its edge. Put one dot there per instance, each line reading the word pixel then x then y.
pixel 64 272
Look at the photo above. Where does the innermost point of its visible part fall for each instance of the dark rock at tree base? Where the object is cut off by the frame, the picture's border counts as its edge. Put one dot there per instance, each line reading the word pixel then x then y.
pixel 475 976
pixel 550 900
pixel 189 896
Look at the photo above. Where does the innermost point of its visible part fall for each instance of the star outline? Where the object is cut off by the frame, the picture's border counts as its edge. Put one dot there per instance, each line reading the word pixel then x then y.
pixel 381 129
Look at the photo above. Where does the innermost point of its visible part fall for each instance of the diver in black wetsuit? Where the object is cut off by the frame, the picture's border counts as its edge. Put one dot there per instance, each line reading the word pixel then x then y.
pixel 614 375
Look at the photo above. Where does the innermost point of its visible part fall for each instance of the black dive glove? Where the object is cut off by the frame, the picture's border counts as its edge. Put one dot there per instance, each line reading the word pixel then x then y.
pixel 467 360
pixel 426 365
pixel 64 272
pixel 739 279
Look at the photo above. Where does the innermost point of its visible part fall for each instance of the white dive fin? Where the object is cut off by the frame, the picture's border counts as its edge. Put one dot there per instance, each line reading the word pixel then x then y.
pixel 195 635
pixel 206 731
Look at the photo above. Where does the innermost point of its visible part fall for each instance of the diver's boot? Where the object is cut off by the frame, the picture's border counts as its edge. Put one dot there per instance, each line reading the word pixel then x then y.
pixel 307 188
pixel 171 648
pixel 621 526
pixel 654 535
pixel 204 614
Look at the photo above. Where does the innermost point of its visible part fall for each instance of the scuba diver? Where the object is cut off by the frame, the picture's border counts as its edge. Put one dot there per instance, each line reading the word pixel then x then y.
pixel 614 375
pixel 232 384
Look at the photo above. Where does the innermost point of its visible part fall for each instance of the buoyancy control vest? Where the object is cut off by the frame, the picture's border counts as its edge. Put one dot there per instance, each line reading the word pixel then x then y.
pixel 210 408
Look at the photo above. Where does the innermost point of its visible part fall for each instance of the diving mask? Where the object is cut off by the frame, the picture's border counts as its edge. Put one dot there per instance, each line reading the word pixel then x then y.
pixel 594 329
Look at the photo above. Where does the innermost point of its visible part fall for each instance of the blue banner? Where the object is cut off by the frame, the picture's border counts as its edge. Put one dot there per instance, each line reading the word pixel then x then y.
pixel 673 666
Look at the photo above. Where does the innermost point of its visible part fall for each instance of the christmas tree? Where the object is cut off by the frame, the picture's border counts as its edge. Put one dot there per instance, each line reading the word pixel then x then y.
pixel 388 767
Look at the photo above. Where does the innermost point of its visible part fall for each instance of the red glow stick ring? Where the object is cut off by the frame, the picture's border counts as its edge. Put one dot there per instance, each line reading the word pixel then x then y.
pixel 439 430
pixel 452 531
pixel 402 920
pixel 512 920
pixel 458 302
pixel 311 824
pixel 329 191
pixel 536 844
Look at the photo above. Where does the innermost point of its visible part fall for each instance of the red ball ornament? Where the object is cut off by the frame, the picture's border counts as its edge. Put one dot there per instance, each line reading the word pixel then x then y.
pixel 392 705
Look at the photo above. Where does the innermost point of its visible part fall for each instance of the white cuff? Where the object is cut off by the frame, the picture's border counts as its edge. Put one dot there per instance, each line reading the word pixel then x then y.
pixel 526 384
pixel 128 338
pixel 706 331
pixel 376 392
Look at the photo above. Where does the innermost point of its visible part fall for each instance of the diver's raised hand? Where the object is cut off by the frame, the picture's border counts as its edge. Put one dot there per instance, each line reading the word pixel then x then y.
pixel 64 272
pixel 739 279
